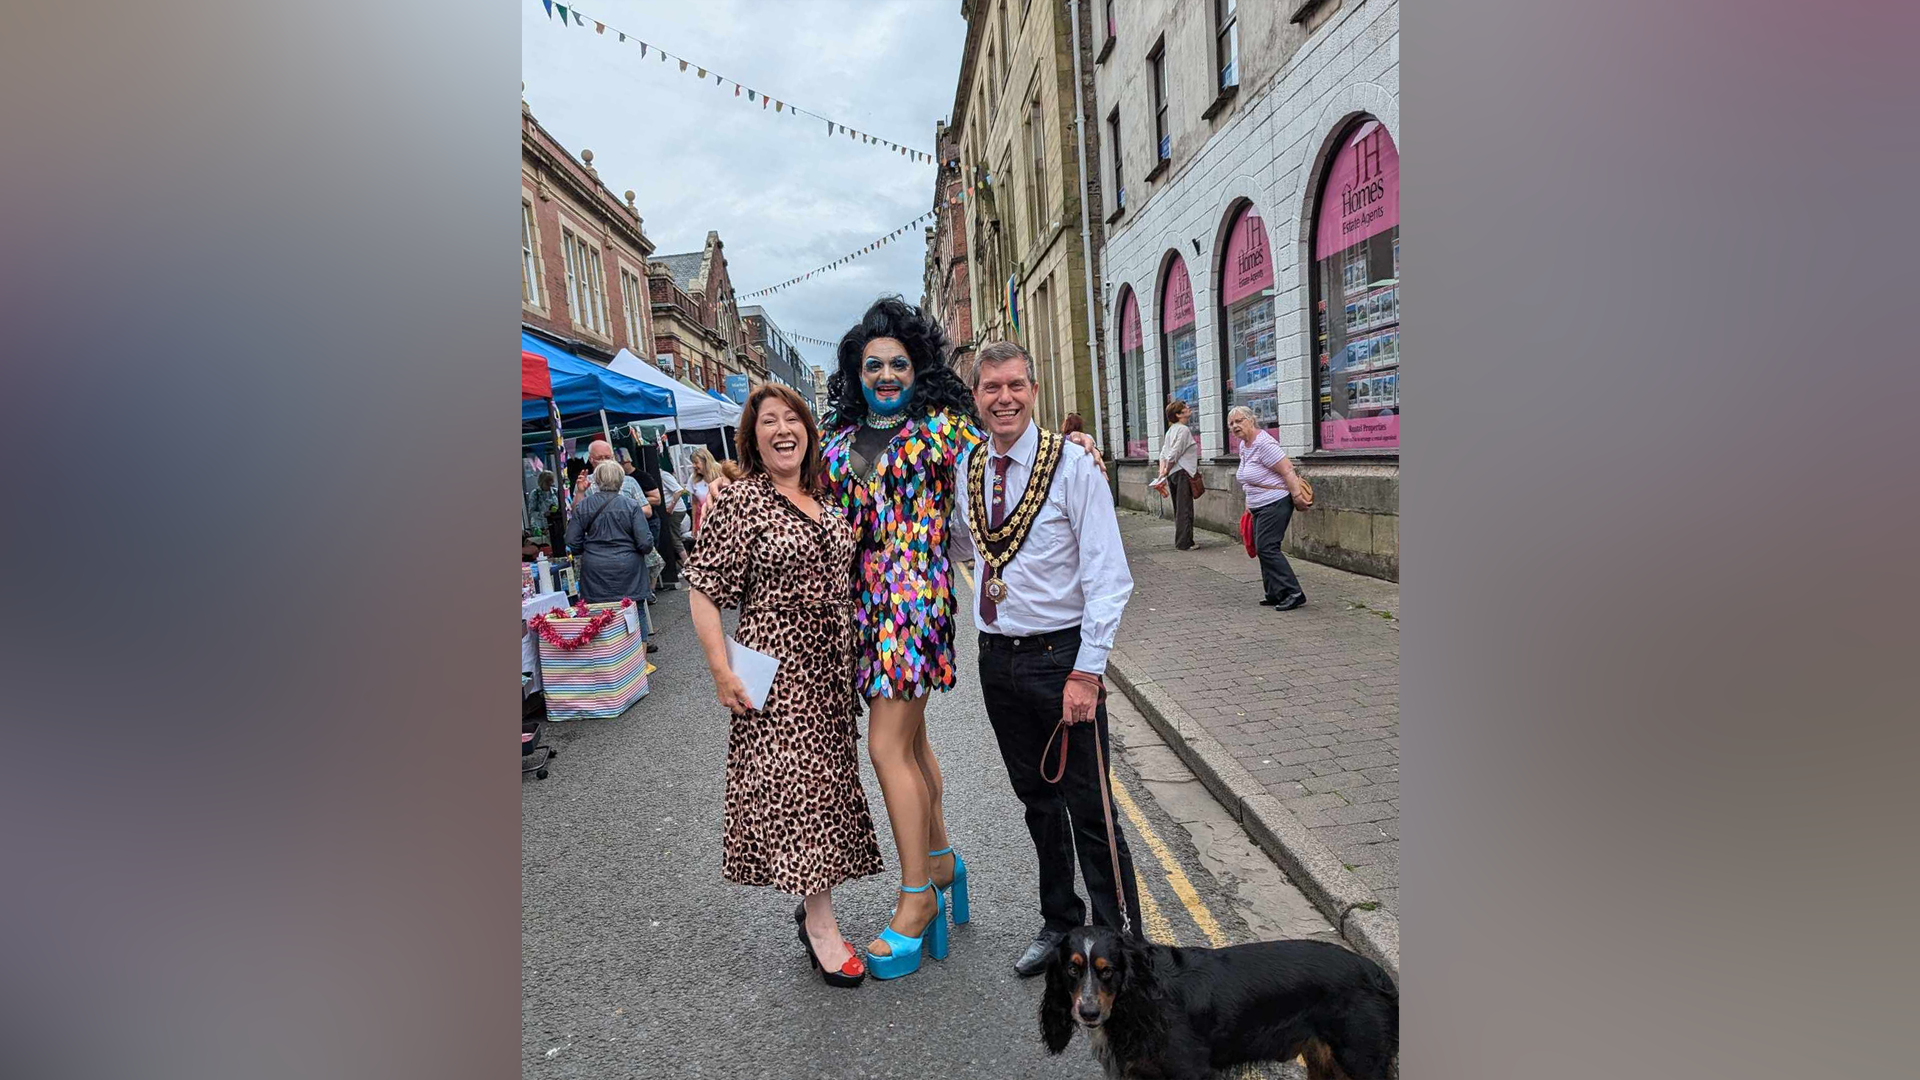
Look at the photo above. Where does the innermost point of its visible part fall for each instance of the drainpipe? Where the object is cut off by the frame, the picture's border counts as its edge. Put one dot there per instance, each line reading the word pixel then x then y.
pixel 1086 238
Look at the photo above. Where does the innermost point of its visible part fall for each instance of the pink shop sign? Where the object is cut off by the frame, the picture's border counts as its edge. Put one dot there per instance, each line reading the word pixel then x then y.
pixel 1249 266
pixel 1362 195
pixel 1176 307
pixel 1130 325
pixel 1361 433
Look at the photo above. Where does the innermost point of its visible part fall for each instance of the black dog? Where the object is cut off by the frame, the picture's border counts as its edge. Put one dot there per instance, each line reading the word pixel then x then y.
pixel 1156 1011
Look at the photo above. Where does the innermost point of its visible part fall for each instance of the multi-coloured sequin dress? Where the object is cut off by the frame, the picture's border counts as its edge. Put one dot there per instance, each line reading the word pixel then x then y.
pixel 903 581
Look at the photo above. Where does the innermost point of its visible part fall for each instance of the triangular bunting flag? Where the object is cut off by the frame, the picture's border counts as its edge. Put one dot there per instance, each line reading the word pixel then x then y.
pixel 623 37
pixel 829 127
pixel 778 105
pixel 703 73
pixel 643 50
pixel 765 100
pixel 717 80
pixel 599 27
pixel 563 14
pixel 751 93
pixel 736 89
pixel 579 18
pixel 683 65
pixel 548 4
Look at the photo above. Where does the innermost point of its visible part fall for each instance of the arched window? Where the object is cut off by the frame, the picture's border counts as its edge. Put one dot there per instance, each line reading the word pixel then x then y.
pixel 1249 372
pixel 1133 377
pixel 1356 279
pixel 1179 362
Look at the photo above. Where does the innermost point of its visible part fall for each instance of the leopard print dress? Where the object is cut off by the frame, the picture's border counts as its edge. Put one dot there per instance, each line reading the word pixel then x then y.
pixel 796 816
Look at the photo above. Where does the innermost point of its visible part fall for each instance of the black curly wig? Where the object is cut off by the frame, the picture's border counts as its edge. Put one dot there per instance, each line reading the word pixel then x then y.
pixel 935 386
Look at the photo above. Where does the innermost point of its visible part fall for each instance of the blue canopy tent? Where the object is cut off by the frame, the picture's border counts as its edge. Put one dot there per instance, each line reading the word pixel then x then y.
pixel 587 394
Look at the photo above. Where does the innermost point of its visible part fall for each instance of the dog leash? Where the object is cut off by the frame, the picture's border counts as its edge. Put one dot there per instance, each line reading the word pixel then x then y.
pixel 1061 731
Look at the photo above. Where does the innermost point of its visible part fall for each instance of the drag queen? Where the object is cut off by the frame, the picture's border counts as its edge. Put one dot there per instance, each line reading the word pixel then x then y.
pixel 900 419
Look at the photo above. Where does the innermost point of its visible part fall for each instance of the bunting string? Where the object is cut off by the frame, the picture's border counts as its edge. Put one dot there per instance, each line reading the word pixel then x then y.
pixel 843 260
pixel 571 17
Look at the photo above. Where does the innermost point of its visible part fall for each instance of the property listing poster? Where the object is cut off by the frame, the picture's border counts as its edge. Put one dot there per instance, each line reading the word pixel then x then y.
pixel 1357 316
pixel 1133 379
pixel 1247 293
pixel 1181 351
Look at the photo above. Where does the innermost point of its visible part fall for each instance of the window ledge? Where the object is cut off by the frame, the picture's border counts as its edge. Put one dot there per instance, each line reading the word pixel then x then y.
pixel 1117 212
pixel 1159 168
pixel 1220 101
pixel 1303 10
pixel 1105 51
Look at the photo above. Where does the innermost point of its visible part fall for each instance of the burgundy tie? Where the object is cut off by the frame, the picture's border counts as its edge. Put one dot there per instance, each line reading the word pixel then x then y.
pixel 997 513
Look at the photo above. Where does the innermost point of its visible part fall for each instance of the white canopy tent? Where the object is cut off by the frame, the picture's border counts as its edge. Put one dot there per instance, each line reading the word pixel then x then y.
pixel 696 409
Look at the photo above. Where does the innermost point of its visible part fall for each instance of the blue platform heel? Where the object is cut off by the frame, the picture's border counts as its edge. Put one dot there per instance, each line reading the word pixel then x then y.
pixel 957 891
pixel 905 958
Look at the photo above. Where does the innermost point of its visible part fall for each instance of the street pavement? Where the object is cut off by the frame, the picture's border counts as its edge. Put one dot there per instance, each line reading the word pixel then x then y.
pixel 1307 701
pixel 638 960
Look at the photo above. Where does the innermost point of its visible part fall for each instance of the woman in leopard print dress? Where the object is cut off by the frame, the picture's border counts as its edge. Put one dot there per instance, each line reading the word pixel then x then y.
pixel 796 817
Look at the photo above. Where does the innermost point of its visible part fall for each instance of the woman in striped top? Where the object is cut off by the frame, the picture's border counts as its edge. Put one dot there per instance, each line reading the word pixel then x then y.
pixel 1273 490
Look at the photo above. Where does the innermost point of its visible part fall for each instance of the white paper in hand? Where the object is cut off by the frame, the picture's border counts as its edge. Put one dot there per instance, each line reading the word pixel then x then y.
pixel 754 669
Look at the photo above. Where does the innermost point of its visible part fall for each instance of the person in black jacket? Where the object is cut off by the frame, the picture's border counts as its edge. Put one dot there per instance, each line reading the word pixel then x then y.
pixel 610 537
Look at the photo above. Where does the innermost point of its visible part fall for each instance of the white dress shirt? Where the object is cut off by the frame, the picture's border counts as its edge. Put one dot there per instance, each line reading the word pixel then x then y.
pixel 1072 569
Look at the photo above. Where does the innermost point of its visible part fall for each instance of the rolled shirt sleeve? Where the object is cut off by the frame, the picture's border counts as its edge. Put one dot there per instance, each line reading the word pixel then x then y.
pixel 1105 581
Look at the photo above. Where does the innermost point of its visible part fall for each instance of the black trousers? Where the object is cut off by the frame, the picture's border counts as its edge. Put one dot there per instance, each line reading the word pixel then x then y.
pixel 667 535
pixel 1023 680
pixel 1276 573
pixel 1180 490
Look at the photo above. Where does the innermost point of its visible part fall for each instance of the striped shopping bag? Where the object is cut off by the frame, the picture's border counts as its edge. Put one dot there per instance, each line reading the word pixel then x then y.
pixel 590 663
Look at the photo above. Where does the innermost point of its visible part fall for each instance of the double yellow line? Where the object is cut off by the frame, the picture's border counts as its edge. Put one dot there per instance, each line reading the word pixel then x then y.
pixel 1157 928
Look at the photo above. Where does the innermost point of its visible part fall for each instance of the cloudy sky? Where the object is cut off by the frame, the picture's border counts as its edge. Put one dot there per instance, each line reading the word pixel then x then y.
pixel 784 197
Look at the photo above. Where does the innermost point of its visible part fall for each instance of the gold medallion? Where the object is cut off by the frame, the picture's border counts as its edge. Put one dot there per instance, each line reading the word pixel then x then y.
pixel 996 590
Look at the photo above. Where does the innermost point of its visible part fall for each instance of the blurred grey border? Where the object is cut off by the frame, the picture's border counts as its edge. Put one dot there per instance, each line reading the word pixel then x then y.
pixel 1658 509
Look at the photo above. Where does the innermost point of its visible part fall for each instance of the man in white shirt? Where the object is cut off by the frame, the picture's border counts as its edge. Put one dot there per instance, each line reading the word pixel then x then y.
pixel 1052 583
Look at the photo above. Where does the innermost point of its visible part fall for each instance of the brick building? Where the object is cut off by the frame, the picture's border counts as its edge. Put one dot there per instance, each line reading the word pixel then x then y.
pixel 946 296
pixel 583 255
pixel 698 334
pixel 1253 250
pixel 782 361
pixel 1029 250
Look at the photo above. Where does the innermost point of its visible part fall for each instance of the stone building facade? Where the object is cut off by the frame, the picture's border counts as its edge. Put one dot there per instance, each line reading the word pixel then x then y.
pixel 583 254
pixel 947 284
pixel 1252 253
pixel 1018 146
pixel 699 336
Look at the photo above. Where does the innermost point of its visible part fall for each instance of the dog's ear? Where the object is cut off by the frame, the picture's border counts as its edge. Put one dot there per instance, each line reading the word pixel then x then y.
pixel 1131 952
pixel 1056 1004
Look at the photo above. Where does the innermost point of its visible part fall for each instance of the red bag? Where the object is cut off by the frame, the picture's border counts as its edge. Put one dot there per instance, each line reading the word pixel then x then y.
pixel 1246 533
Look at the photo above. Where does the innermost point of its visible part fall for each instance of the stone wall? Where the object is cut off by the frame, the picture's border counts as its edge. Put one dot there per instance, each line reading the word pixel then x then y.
pixel 1354 523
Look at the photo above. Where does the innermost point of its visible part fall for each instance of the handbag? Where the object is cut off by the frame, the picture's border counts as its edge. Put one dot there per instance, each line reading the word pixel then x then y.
pixel 1199 485
pixel 1246 533
pixel 1306 489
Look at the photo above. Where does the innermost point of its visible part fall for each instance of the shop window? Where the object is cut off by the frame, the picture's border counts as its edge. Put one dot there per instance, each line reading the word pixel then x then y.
pixel 1356 294
pixel 1133 378
pixel 1249 353
pixel 1179 360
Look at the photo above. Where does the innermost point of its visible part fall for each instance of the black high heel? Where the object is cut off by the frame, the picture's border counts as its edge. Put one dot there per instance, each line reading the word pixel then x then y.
pixel 844 977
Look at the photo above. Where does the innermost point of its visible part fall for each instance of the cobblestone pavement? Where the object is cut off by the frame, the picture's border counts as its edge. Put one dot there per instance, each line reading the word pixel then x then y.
pixel 1308 700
